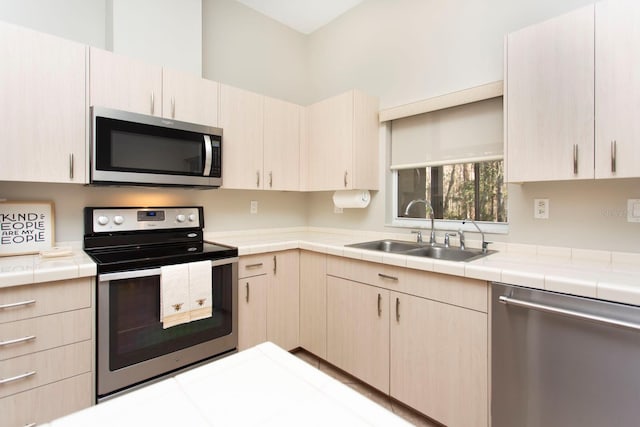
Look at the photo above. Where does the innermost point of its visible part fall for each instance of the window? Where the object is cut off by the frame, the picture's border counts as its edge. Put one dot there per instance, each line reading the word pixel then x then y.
pixel 455 191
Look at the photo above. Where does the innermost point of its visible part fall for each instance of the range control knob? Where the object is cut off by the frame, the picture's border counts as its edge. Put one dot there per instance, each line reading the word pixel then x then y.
pixel 118 219
pixel 103 220
pixel 181 218
pixel 192 217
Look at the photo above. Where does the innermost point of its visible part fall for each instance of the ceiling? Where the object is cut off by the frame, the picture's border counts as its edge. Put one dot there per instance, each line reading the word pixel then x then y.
pixel 304 16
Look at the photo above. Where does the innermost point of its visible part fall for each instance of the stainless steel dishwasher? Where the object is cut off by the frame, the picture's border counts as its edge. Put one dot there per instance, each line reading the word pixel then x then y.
pixel 560 360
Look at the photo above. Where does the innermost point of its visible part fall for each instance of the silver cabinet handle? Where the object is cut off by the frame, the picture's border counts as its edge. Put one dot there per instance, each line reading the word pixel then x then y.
pixel 257 179
pixel 71 166
pixel 575 159
pixel 153 102
pixel 346 174
pixel 18 304
pixel 613 156
pixel 246 298
pixel 569 313
pixel 384 276
pixel 379 305
pixel 30 425
pixel 275 264
pixel 259 264
pixel 17 340
pixel 17 377
pixel 173 107
pixel 270 179
pixel 398 310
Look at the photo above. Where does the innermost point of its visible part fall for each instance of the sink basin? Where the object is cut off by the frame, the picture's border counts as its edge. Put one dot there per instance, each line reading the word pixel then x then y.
pixel 393 246
pixel 448 254
pixel 423 250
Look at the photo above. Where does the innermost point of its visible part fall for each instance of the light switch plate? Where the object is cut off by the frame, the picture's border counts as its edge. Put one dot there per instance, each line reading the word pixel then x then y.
pixel 541 208
pixel 633 210
pixel 254 207
pixel 337 210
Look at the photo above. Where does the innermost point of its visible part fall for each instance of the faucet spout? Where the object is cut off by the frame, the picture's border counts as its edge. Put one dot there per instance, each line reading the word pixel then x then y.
pixel 484 242
pixel 432 236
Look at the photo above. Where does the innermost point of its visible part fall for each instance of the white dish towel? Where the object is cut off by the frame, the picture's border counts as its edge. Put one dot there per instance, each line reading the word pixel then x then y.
pixel 174 295
pixel 200 298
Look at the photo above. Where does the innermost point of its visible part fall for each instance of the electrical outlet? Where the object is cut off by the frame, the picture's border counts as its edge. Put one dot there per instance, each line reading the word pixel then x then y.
pixel 541 208
pixel 633 210
pixel 254 207
pixel 337 210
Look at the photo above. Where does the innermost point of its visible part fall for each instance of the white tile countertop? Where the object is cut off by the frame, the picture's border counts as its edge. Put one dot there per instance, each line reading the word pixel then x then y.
pixel 263 386
pixel 28 269
pixel 613 276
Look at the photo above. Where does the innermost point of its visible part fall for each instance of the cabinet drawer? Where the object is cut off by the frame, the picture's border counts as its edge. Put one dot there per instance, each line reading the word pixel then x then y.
pixel 24 302
pixel 47 366
pixel 460 291
pixel 46 403
pixel 255 265
pixel 41 333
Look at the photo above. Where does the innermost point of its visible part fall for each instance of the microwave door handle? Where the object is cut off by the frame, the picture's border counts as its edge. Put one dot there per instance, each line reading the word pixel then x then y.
pixel 207 155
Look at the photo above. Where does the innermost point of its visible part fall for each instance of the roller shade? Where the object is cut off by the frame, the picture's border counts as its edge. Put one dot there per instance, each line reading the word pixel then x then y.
pixel 463 134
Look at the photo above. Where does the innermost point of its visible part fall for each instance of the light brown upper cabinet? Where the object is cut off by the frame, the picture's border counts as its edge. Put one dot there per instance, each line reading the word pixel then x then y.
pixel 128 84
pixel 573 95
pixel 42 82
pixel 550 99
pixel 341 143
pixel 617 82
pixel 261 141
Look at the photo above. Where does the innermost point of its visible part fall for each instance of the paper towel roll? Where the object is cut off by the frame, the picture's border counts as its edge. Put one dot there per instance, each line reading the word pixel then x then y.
pixel 351 198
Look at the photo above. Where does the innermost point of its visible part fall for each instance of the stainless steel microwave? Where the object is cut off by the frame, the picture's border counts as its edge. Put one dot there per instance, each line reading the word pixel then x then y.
pixel 135 149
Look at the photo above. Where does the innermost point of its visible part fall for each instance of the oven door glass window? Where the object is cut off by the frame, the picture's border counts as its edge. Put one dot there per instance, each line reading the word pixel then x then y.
pixel 135 329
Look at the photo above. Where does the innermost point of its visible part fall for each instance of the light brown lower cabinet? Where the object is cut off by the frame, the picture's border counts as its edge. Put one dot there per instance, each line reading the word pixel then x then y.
pixel 268 299
pixel 46 351
pixel 419 336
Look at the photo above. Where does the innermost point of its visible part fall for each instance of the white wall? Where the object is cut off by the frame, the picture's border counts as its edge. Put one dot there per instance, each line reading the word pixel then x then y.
pixel 244 48
pixel 163 32
pixel 408 50
pixel 79 20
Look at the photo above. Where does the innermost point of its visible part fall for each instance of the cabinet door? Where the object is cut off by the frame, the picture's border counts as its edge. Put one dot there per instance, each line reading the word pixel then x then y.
pixel 43 108
pixel 313 303
pixel 283 300
pixel 252 311
pixel 241 118
pixel 124 83
pixel 281 145
pixel 330 143
pixel 550 98
pixel 617 89
pixel 189 98
pixel 439 360
pixel 358 330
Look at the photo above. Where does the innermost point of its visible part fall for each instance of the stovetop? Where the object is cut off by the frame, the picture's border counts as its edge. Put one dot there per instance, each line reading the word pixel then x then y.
pixel 123 239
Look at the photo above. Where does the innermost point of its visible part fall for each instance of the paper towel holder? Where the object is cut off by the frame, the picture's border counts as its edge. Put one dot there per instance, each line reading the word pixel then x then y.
pixel 351 198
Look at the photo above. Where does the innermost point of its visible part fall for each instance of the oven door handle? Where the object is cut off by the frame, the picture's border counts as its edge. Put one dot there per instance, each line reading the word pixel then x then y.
pixel 134 274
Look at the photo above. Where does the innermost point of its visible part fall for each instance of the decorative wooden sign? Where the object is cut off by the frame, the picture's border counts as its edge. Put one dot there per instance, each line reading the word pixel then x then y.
pixel 25 227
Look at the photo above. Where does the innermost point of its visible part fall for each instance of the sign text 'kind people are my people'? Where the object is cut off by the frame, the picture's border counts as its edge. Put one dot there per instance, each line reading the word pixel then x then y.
pixel 25 227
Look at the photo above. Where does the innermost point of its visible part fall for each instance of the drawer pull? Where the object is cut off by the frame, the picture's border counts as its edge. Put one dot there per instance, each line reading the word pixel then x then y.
pixel 17 340
pixel 385 276
pixel 30 425
pixel 18 304
pixel 17 377
pixel 254 265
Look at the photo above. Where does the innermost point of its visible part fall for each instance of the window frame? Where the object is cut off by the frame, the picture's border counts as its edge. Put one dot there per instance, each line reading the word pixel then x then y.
pixel 439 224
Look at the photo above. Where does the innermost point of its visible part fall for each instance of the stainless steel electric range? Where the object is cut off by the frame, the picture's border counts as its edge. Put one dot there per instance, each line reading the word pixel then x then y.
pixel 130 247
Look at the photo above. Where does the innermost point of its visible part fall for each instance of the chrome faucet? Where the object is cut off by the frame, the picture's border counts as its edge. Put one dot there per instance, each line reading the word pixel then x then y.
pixel 484 242
pixel 432 236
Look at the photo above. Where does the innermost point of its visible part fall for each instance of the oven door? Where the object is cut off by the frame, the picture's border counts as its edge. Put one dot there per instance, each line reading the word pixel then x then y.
pixel 133 347
pixel 138 149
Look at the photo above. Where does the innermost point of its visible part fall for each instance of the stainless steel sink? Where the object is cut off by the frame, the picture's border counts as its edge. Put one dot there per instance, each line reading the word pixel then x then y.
pixel 448 254
pixel 423 250
pixel 393 246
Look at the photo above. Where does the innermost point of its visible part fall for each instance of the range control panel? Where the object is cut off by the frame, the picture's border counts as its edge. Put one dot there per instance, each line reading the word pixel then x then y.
pixel 132 219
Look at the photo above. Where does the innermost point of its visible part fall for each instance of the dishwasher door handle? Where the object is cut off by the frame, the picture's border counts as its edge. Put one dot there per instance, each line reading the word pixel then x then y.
pixel 568 313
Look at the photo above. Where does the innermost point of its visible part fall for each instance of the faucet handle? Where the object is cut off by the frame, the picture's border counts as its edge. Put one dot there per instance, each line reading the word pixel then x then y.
pixel 419 235
pixel 446 238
